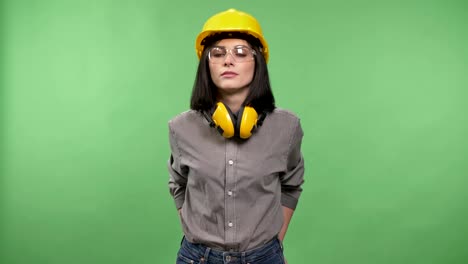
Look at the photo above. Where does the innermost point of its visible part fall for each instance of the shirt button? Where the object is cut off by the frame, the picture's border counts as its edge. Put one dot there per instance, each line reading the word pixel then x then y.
pixel 230 162
pixel 229 193
pixel 230 224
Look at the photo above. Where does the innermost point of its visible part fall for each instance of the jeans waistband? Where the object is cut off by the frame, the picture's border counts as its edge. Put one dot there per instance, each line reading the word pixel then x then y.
pixel 232 257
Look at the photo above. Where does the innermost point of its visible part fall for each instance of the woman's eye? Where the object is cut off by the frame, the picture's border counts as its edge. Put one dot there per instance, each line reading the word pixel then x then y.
pixel 241 52
pixel 218 53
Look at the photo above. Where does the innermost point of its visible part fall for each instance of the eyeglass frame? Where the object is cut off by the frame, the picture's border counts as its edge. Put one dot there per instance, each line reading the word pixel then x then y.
pixel 229 52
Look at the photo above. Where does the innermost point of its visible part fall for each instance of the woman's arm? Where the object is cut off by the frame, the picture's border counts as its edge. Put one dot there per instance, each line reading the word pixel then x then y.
pixel 287 215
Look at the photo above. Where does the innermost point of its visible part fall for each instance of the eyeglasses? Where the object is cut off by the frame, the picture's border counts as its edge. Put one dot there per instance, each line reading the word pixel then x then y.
pixel 240 53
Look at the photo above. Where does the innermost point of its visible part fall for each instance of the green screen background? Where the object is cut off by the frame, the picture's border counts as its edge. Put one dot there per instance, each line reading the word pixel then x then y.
pixel 87 88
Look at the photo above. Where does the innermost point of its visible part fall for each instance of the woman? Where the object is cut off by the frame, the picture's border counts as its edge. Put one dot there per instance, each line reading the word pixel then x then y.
pixel 236 167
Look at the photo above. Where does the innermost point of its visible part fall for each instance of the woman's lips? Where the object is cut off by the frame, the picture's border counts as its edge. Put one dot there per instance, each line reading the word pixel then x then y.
pixel 229 74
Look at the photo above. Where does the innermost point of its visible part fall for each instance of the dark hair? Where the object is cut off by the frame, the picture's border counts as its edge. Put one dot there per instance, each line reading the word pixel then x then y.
pixel 260 95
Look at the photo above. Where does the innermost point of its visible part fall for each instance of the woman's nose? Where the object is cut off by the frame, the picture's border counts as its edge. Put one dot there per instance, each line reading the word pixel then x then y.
pixel 228 59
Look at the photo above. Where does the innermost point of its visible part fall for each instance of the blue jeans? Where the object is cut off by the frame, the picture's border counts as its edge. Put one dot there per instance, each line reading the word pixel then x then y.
pixel 270 253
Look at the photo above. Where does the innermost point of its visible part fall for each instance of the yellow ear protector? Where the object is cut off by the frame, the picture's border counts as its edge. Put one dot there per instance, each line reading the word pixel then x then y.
pixel 229 125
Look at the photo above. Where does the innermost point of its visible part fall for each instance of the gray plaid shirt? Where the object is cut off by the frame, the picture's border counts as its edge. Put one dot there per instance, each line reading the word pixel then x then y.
pixel 231 192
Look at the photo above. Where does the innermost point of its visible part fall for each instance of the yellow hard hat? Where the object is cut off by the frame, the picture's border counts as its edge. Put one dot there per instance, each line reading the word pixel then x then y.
pixel 231 21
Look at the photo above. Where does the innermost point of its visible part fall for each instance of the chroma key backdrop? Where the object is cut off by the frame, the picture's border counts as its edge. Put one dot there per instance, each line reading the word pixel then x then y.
pixel 87 88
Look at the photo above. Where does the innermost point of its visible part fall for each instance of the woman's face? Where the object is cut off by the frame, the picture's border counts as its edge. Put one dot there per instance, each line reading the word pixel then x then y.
pixel 231 73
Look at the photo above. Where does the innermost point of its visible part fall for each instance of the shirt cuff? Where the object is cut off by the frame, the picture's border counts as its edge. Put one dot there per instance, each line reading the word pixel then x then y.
pixel 179 201
pixel 288 201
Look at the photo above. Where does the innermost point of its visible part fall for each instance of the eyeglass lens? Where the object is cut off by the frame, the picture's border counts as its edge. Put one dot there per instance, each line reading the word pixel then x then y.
pixel 239 53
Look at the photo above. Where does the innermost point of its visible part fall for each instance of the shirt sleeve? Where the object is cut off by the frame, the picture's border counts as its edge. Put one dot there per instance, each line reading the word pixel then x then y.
pixel 293 178
pixel 177 172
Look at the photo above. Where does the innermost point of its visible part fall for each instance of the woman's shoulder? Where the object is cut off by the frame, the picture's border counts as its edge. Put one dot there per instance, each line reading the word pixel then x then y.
pixel 284 114
pixel 283 123
pixel 185 118
pixel 286 119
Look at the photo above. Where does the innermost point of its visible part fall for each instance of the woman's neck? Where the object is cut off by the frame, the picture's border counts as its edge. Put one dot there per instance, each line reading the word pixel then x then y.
pixel 233 100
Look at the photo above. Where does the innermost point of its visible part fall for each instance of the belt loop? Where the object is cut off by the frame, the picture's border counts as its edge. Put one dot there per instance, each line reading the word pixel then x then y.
pixel 243 258
pixel 205 257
